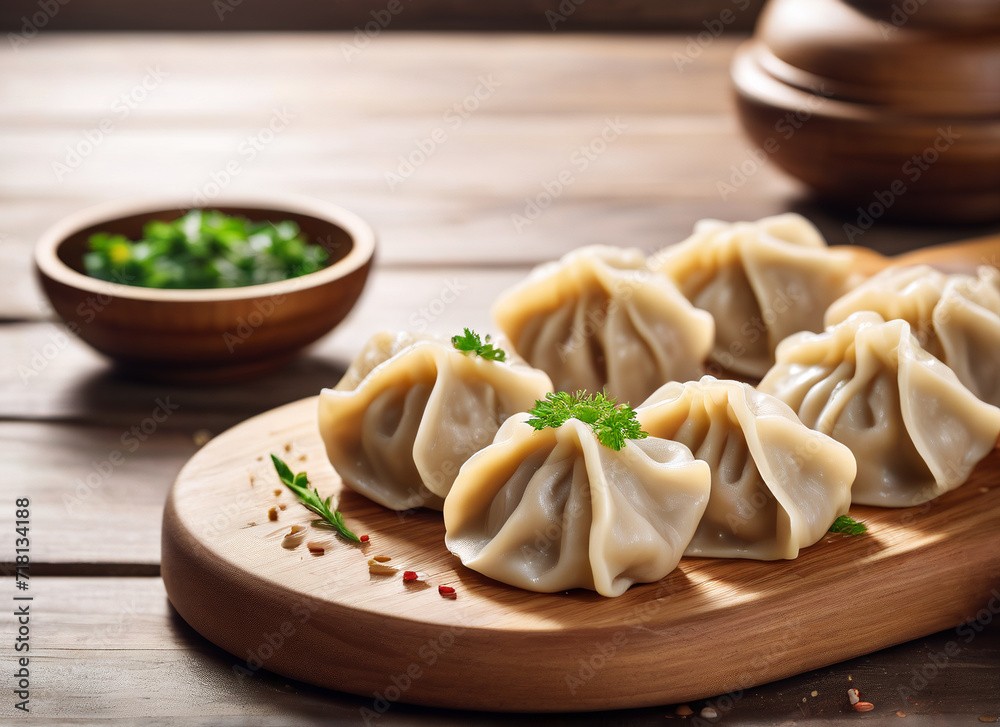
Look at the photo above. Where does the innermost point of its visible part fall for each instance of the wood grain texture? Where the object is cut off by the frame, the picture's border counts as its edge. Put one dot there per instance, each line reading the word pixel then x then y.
pixel 113 651
pixel 229 576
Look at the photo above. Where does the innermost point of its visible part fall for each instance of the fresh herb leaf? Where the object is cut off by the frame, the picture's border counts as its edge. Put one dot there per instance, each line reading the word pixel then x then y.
pixel 299 484
pixel 470 342
pixel 848 526
pixel 613 424
pixel 204 249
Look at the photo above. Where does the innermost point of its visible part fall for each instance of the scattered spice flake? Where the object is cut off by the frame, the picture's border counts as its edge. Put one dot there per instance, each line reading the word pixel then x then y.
pixel 380 569
pixel 900 713
pixel 316 548
pixel 853 696
pixel 251 480
pixel 251 524
pixel 363 538
pixel 302 458
pixel 987 718
pixel 447 592
pixel 382 558
pixel 277 493
pixel 864 707
pixel 814 693
pixel 282 506
pixel 409 575
pixel 272 514
pixel 201 437
pixel 288 447
pixel 684 711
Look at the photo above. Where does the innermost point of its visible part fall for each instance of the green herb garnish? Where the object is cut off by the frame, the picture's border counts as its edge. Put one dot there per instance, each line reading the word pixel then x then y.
pixel 613 424
pixel 204 249
pixel 848 526
pixel 299 484
pixel 471 343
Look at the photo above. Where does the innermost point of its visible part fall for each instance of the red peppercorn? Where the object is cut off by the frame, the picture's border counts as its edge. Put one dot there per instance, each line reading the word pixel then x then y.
pixel 363 538
pixel 409 575
pixel 446 591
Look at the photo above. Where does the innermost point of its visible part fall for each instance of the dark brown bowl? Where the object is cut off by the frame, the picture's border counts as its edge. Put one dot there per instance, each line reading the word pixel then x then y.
pixel 205 335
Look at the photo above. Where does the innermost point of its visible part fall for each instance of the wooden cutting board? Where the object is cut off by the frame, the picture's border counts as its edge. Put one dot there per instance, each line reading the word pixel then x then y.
pixel 709 628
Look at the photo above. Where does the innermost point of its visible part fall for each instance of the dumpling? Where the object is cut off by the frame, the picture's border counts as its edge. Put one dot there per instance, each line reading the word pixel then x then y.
pixel 777 486
pixel 956 318
pixel 597 320
pixel 762 281
pixel 411 410
pixel 915 430
pixel 554 509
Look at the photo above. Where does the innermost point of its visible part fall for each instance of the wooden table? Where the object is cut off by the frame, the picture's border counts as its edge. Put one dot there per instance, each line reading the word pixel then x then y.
pixel 152 114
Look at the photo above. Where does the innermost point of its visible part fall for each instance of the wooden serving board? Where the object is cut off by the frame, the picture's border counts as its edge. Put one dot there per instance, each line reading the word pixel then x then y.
pixel 710 627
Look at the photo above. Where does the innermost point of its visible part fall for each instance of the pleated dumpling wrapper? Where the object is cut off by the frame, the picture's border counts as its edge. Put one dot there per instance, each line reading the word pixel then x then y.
pixel 915 430
pixel 597 320
pixel 555 509
pixel 956 318
pixel 412 409
pixel 777 486
pixel 762 281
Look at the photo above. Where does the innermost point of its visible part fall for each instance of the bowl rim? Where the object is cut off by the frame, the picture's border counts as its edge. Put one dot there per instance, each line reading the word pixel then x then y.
pixel 49 264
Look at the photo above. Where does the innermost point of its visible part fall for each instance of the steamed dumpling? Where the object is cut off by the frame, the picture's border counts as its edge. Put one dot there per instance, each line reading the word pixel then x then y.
pixel 956 318
pixel 598 320
pixel 777 486
pixel 762 281
pixel 554 509
pixel 915 430
pixel 411 410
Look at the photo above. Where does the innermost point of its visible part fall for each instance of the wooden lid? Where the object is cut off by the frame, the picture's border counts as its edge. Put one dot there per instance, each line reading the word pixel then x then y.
pixel 875 52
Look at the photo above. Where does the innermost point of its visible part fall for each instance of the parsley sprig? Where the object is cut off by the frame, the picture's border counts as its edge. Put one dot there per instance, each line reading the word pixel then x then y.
pixel 848 526
pixel 612 423
pixel 299 484
pixel 470 342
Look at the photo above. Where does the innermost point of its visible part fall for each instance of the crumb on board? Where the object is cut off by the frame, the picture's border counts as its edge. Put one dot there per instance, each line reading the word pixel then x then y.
pixel 381 558
pixel 282 506
pixel 272 514
pixel 288 446
pixel 277 493
pixel 708 713
pixel 684 711
pixel 380 569
pixel 864 707
pixel 316 548
pixel 987 718
pixel 853 696
pixel 814 693
pixel 900 713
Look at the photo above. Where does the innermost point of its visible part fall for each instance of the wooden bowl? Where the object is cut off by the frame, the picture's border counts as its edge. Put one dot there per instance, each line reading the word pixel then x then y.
pixel 205 335
pixel 895 112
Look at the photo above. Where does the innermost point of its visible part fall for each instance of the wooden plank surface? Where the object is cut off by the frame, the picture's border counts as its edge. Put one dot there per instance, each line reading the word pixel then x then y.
pixel 451 219
pixel 113 651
